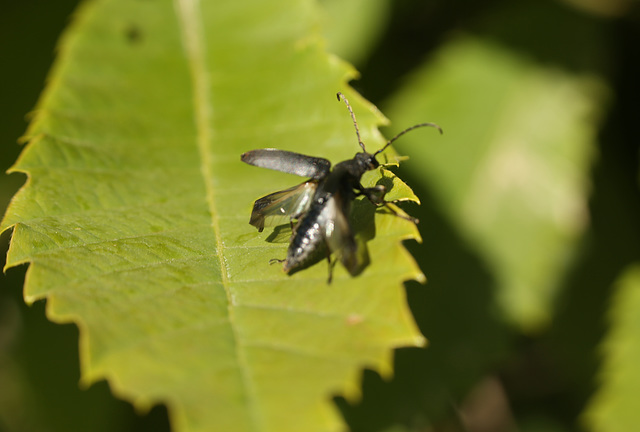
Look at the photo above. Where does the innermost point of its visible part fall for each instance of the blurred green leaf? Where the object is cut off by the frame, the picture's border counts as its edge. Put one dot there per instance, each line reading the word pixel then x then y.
pixel 511 170
pixel 134 217
pixel 615 405
pixel 353 27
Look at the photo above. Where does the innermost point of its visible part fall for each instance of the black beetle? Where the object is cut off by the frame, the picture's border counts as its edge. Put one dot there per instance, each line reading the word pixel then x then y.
pixel 320 205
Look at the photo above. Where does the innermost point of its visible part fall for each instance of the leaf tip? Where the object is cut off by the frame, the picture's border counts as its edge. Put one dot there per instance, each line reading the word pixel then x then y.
pixel 420 341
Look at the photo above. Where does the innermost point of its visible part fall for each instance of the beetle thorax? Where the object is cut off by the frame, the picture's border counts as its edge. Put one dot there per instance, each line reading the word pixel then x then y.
pixel 364 162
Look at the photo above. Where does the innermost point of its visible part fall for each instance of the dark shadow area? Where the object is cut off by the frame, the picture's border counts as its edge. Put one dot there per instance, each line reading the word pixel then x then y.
pixel 414 30
pixel 280 234
pixel 362 221
pixel 548 31
pixel 386 182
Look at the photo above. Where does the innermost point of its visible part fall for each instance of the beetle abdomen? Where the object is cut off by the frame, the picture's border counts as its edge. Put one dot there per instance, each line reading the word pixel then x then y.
pixel 309 237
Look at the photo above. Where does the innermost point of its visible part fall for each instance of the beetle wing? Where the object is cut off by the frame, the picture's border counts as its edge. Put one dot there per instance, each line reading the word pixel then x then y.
pixel 339 237
pixel 289 162
pixel 281 207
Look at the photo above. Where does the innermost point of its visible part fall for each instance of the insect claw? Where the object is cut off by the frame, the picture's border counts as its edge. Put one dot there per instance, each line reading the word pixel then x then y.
pixel 395 212
pixel 331 265
pixel 409 218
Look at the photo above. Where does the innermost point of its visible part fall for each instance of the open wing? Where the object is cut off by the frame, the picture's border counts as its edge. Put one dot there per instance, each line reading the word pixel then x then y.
pixel 281 207
pixel 289 162
pixel 338 235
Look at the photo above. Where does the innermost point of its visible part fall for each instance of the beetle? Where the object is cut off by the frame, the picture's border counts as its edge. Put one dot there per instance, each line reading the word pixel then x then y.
pixel 321 205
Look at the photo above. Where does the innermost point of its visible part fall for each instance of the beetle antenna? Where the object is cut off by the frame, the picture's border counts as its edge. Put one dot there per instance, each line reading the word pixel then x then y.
pixel 353 117
pixel 404 132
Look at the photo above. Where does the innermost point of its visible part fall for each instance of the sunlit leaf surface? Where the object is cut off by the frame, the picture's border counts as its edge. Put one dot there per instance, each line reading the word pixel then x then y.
pixel 135 216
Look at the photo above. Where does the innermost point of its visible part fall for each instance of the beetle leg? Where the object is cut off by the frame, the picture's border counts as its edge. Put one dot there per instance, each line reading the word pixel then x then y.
pixel 395 213
pixel 331 263
pixel 276 260
pixel 376 196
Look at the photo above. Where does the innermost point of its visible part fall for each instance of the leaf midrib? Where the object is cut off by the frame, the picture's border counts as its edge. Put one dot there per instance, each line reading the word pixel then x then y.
pixel 191 31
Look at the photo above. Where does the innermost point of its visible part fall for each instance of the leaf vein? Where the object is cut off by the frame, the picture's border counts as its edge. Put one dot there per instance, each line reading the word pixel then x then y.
pixel 193 40
pixel 321 355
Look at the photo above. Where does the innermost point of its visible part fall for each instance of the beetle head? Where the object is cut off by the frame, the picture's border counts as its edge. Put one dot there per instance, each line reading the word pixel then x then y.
pixel 366 161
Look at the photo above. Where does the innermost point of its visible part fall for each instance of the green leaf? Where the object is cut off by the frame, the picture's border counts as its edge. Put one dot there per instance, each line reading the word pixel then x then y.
pixel 511 168
pixel 353 27
pixel 615 405
pixel 135 215
pixel 397 189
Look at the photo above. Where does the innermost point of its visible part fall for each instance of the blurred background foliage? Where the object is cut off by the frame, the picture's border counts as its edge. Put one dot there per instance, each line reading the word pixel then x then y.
pixel 501 357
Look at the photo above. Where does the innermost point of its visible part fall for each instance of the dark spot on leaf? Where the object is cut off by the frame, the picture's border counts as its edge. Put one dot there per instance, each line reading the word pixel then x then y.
pixel 133 34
